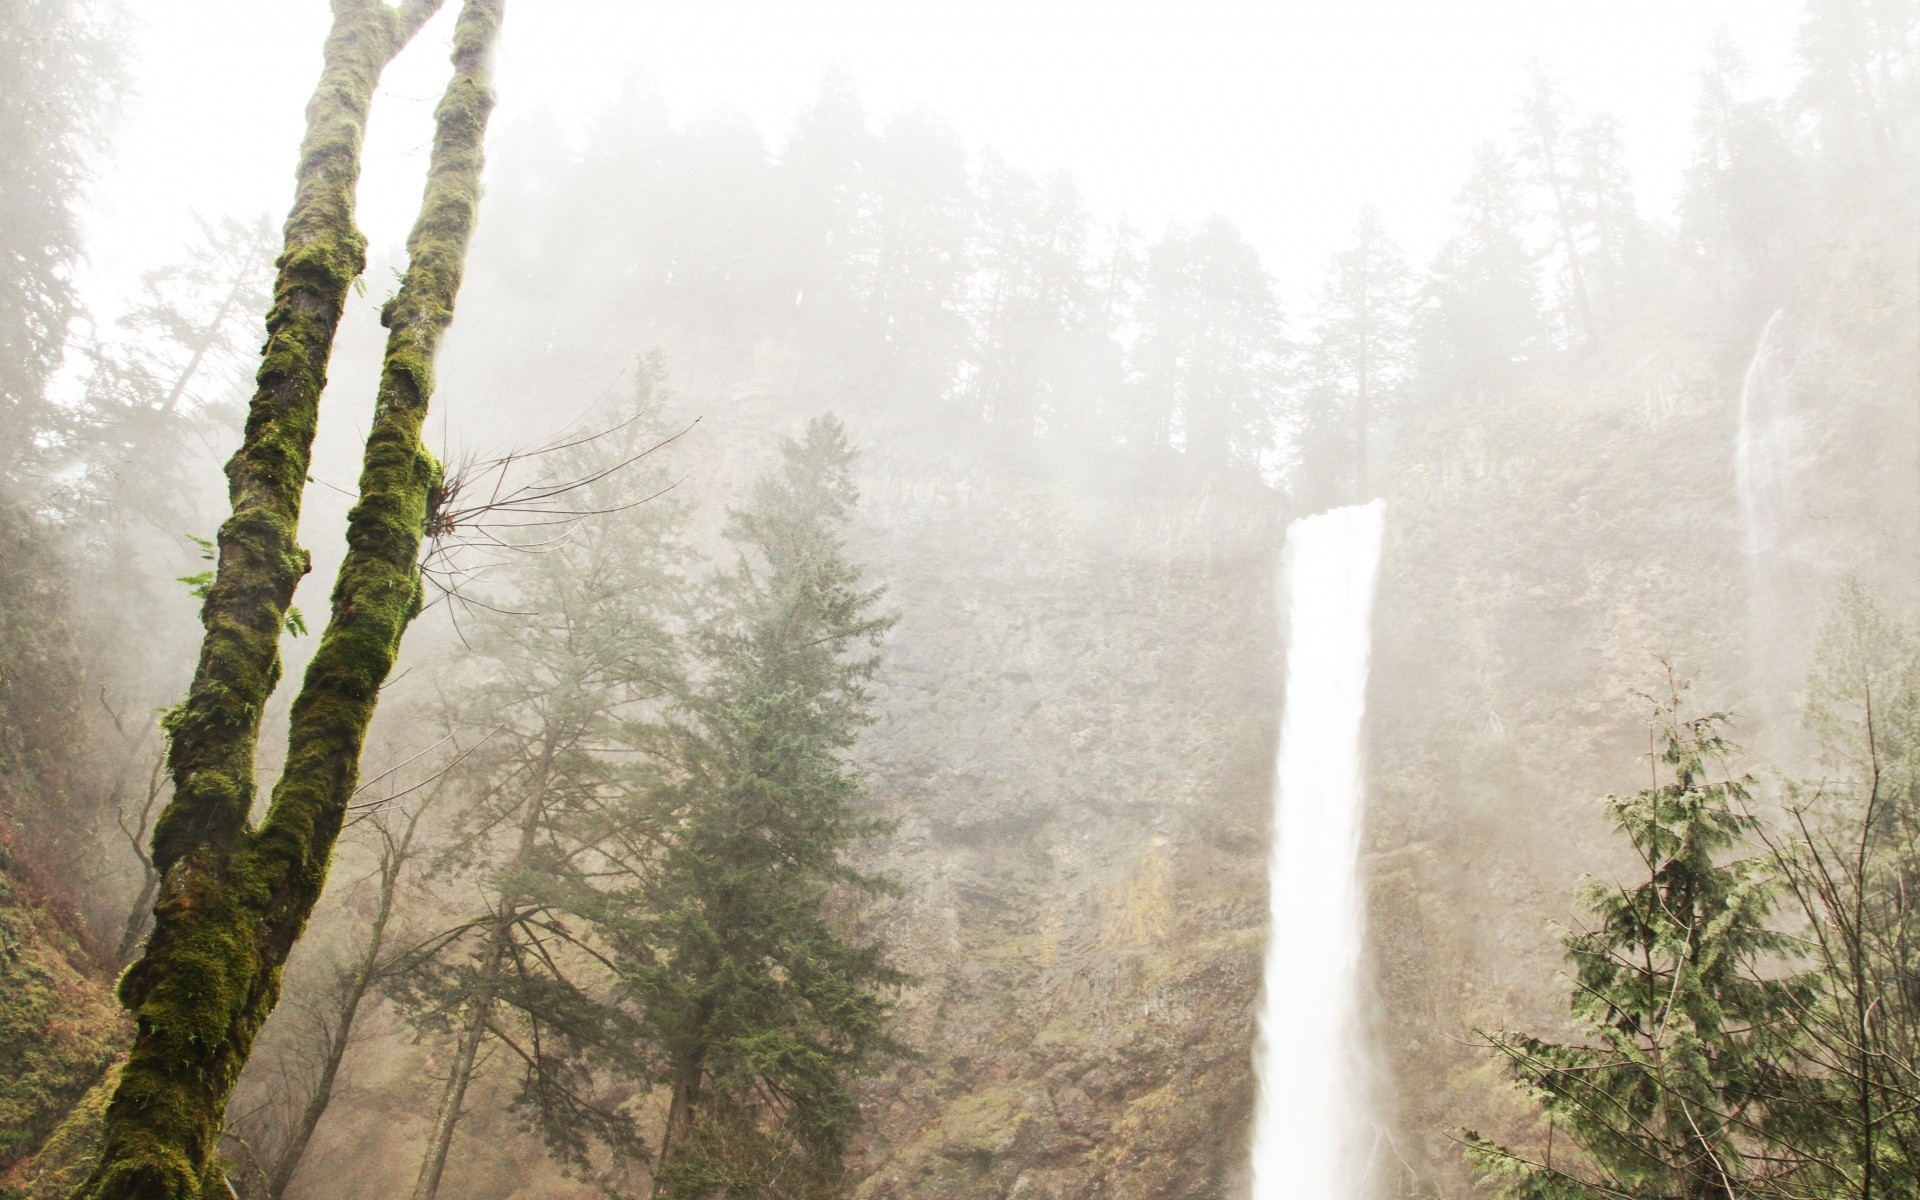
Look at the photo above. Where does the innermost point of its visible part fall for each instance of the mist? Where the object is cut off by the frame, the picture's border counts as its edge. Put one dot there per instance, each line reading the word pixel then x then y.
pixel 744 647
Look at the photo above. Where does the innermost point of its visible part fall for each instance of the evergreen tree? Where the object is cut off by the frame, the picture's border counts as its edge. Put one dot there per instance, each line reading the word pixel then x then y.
pixel 752 1001
pixel 1679 1092
pixel 1356 365
pixel 1852 864
pixel 60 75
pixel 911 259
pixel 1856 56
pixel 825 167
pixel 1545 147
pixel 60 78
pixel 1482 315
pixel 1736 208
pixel 1600 204
pixel 1038 341
pixel 567 657
pixel 1211 352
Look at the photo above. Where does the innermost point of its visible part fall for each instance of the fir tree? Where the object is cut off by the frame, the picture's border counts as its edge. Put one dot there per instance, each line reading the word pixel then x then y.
pixel 60 79
pixel 752 1000
pixel 1678 1090
pixel 567 658
pixel 1736 209
pixel 1600 202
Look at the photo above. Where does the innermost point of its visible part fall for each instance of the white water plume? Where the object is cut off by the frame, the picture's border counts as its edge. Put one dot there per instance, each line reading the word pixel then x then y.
pixel 1310 1127
pixel 1763 445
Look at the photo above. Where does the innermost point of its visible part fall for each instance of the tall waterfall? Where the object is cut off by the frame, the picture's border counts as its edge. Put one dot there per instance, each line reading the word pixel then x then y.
pixel 1310 1129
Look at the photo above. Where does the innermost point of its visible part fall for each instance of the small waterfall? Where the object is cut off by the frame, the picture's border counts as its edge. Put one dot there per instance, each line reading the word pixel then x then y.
pixel 1764 442
pixel 1767 468
pixel 1311 1135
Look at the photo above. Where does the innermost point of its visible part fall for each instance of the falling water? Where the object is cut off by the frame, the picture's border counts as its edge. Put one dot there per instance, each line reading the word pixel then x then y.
pixel 1310 1130
pixel 1761 449
pixel 1765 465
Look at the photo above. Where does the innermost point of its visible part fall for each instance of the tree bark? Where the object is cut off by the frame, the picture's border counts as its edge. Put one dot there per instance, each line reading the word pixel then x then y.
pixel 233 900
pixel 686 1096
pixel 454 1095
pixel 480 1004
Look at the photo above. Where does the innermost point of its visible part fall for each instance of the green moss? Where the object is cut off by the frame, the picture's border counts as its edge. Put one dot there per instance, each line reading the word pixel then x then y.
pixel 232 901
pixel 985 1123
pixel 59 1028
pixel 70 1152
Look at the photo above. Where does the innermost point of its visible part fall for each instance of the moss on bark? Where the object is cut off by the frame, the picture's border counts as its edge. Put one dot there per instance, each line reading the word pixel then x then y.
pixel 234 899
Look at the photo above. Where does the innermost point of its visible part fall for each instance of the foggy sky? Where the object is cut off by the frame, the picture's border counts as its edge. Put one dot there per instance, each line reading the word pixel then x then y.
pixel 1284 116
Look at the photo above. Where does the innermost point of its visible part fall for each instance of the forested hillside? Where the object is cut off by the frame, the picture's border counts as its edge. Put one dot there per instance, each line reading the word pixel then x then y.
pixel 833 744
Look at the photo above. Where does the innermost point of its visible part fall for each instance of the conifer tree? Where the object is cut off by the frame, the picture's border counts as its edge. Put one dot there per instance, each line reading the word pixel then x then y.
pixel 1856 55
pixel 1356 364
pixel 1545 148
pixel 60 77
pixel 568 659
pixel 1482 314
pixel 1211 354
pixel 1851 862
pixel 753 1002
pixel 1679 1090
pixel 1600 202
pixel 1741 185
pixel 1038 344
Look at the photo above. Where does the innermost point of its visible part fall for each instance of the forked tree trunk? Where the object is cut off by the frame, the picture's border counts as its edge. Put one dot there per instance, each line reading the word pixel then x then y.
pixel 233 899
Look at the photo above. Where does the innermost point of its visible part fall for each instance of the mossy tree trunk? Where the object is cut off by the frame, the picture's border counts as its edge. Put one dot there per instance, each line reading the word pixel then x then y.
pixel 234 899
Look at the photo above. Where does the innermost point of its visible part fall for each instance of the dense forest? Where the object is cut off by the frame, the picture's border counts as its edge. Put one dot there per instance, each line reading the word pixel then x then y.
pixel 746 662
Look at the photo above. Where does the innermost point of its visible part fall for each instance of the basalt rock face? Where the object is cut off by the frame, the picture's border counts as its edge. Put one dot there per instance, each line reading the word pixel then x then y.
pixel 1078 715
pixel 1546 557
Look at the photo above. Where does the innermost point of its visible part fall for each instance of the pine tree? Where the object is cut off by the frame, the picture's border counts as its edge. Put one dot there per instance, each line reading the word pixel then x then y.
pixel 1679 1090
pixel 753 1002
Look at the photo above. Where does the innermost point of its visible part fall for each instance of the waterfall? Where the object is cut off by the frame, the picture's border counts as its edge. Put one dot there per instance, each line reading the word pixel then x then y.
pixel 1311 1134
pixel 1767 463
pixel 1761 449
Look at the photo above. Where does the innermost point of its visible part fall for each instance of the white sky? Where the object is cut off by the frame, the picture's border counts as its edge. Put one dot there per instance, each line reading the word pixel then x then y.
pixel 1285 115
